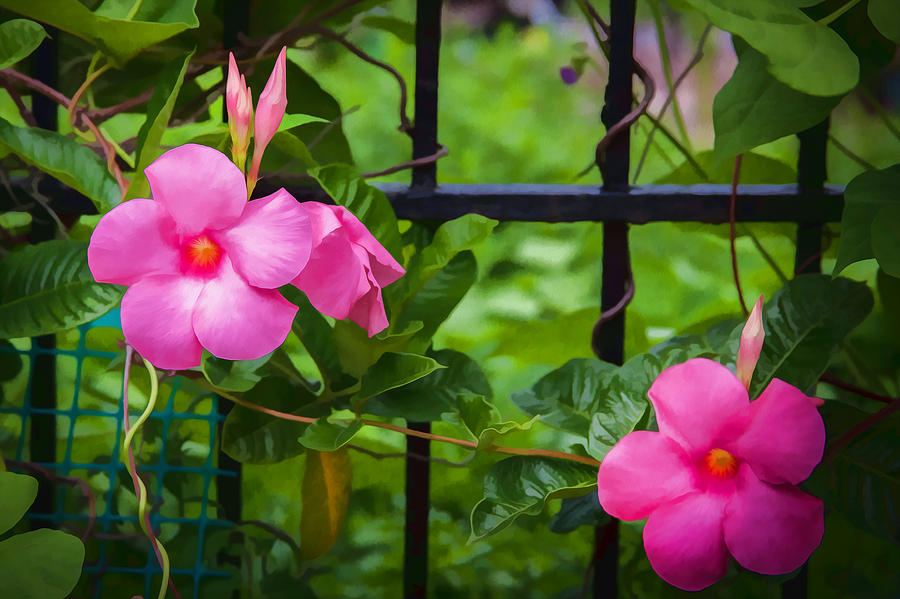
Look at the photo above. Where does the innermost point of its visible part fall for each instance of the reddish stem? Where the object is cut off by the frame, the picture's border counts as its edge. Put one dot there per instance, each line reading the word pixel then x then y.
pixel 732 219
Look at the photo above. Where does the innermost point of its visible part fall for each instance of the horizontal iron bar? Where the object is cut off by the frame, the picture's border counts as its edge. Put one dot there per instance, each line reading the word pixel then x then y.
pixel 568 203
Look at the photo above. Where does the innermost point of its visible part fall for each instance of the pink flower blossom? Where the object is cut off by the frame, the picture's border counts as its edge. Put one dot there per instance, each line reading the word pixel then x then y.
pixel 718 478
pixel 269 112
pixel 202 264
pixel 239 102
pixel 752 337
pixel 347 268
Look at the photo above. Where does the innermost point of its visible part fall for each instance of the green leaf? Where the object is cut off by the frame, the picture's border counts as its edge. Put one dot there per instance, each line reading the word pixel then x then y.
pixel 755 169
pixel 48 287
pixel 10 363
pixel 15 222
pixel 437 299
pixel 864 196
pixel 480 420
pixel 18 494
pixel 347 188
pixel 886 18
pixel 885 233
pixel 888 293
pixel 403 30
pixel 324 435
pixel 251 437
pixel 295 120
pixel 754 108
pixel 451 237
pixel 159 111
pixel 107 28
pixel 578 511
pixel 18 39
pixel 41 564
pixel 431 396
pixel 523 485
pixel 799 50
pixel 62 158
pixel 805 322
pixel 863 479
pixel 232 375
pixel 316 335
pixel 292 146
pixel 621 403
pixel 392 370
pixel 325 495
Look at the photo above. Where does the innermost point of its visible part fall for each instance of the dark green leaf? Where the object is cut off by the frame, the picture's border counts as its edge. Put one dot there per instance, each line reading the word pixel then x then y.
pixel 64 159
pixel 480 420
pixel 316 334
pixel 621 403
pixel 805 322
pixel 159 111
pixel 109 28
pixel 251 437
pixel 886 17
pixel 232 375
pixel 427 398
pixel 798 49
pixel 889 294
pixel 18 39
pixel 864 196
pixel 523 485
pixel 578 511
pixel 324 435
pixel 754 108
pixel 885 234
pixel 46 288
pixel 18 494
pixel 358 351
pixel 40 564
pixel 404 30
pixel 393 370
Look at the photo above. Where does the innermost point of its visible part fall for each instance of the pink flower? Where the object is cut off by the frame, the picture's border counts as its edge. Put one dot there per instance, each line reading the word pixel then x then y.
pixel 718 478
pixel 347 268
pixel 239 102
pixel 202 264
pixel 752 337
pixel 269 112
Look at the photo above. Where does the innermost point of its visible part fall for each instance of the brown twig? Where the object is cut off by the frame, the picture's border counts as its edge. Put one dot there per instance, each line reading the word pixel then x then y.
pixel 20 105
pixel 850 154
pixel 732 218
pixel 607 315
pixel 431 158
pixel 98 115
pixel 842 384
pixel 859 429
pixel 414 456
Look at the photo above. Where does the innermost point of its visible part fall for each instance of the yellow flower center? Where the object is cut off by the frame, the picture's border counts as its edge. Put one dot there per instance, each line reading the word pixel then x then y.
pixel 202 253
pixel 720 463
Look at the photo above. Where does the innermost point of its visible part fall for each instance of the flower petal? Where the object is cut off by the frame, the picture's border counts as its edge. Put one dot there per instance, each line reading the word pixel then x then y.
pixel 700 404
pixel 333 279
pixel 385 269
pixel 786 435
pixel 684 542
pixel 133 240
pixel 156 320
pixel 640 473
pixel 270 244
pixel 199 186
pixel 368 311
pixel 772 529
pixel 237 321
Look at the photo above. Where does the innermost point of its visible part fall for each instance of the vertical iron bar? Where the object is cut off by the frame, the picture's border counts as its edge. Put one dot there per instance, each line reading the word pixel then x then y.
pixel 812 170
pixel 424 142
pixel 610 340
pixel 42 445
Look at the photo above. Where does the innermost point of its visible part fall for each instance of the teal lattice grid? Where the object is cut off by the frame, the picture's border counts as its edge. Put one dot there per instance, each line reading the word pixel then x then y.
pixel 176 457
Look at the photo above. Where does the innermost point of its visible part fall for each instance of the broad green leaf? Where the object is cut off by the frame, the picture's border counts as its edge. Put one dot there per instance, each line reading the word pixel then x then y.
pixel 18 39
pixel 437 299
pixel 799 50
pixel 206 133
pixel 480 420
pixel 317 337
pixel 540 340
pixel 295 120
pixel 452 237
pixel 159 111
pixel 232 375
pixel 754 108
pixel 291 145
pixel 325 494
pixel 429 397
pixel 578 511
pixel 621 404
pixel 717 342
pixel 107 28
pixel 46 288
pixel 40 564
pixel 62 158
pixel 252 437
pixel 885 15
pixel 523 485
pixel 755 169
pixel 888 293
pixel 358 351
pixel 324 435
pixel 864 196
pixel 18 494
pixel 392 370
pixel 347 188
pixel 885 234
pixel 403 30
pixel 805 322
pixel 863 479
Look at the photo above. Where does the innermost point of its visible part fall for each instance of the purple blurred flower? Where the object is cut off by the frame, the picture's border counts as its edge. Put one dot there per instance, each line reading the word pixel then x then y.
pixel 568 75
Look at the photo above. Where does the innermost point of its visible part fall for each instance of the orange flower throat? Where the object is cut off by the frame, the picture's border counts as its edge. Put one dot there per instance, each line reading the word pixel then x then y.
pixel 202 253
pixel 720 463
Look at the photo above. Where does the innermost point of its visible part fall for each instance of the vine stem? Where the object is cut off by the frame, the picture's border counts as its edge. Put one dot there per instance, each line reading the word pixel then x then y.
pixel 732 218
pixel 414 433
pixel 139 489
pixel 837 14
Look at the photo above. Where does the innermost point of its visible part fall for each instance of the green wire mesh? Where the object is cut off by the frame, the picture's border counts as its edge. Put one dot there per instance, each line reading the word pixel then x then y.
pixel 175 453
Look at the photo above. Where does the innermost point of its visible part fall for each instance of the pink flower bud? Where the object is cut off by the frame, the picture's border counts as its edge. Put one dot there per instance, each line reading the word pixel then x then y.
pixel 239 103
pixel 271 105
pixel 751 344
